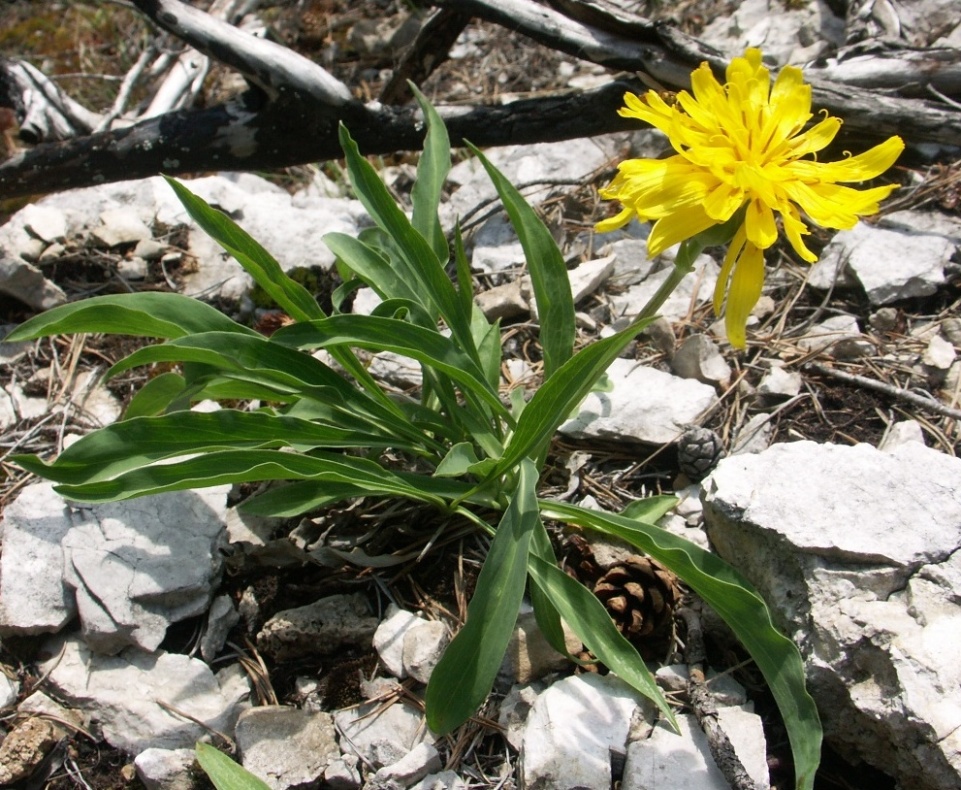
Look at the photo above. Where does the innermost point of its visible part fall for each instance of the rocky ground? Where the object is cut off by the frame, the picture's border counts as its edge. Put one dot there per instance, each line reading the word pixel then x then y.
pixel 857 353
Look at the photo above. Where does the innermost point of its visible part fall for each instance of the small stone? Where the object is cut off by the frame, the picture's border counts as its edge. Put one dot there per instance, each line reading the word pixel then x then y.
pixel 824 335
pixel 423 759
pixel 503 301
pixel 901 433
pixel 9 690
pixel 382 735
pixel 45 222
pixel 529 656
pixel 324 627
pixel 780 383
pixel 445 780
pixel 168 769
pixel 939 354
pixel 134 268
pixel 342 773
pixel 285 746
pixel 754 436
pixel 33 596
pixel 424 644
pixel 25 747
pixel 121 226
pixel 885 319
pixel 700 358
pixel 30 249
pixel 221 617
pixel 149 249
pixel 514 710
pixel 584 715
pixel 951 328
pixel 52 253
pixel 388 639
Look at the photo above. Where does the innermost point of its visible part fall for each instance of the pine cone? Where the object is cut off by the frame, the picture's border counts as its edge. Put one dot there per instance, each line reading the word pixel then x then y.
pixel 579 561
pixel 641 595
pixel 698 451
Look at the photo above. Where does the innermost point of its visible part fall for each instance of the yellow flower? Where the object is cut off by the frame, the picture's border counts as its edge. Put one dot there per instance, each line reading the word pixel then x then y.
pixel 742 146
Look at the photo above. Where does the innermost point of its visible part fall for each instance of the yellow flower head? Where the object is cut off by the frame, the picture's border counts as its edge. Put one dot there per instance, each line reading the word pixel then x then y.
pixel 743 146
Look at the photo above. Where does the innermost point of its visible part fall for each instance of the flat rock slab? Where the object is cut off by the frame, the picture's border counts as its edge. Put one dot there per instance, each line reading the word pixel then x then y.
pixel 34 599
pixel 856 552
pixel 286 746
pixel 645 405
pixel 129 569
pixel 572 730
pixel 132 697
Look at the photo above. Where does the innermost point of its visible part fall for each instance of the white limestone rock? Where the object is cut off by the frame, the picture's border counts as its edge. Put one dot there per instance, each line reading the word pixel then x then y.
pixel 138 566
pixel 830 333
pixel 284 746
pixel 9 690
pixel 121 226
pixel 168 769
pixel 584 715
pixel 34 598
pixel 857 553
pixel 667 759
pixel 323 627
pixel 388 639
pixel 695 289
pixel 901 257
pixel 645 405
pixel 381 735
pixel 422 760
pixel 125 695
pixel 699 358
pixel 47 223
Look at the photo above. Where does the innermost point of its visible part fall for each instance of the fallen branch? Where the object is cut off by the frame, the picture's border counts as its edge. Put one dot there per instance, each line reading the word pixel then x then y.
pixel 924 401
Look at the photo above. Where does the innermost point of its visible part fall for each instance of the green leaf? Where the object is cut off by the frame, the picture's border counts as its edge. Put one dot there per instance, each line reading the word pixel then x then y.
pixel 458 461
pixel 420 264
pixel 545 612
pixel 552 288
pixel 432 170
pixel 134 443
pixel 156 395
pixel 224 772
pixel 289 295
pixel 248 466
pixel 559 395
pixel 738 603
pixel 465 674
pixel 371 266
pixel 295 499
pixel 650 509
pixel 146 314
pixel 387 334
pixel 590 620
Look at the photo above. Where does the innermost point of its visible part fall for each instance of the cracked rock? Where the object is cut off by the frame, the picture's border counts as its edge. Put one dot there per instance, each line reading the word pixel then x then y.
pixel 863 572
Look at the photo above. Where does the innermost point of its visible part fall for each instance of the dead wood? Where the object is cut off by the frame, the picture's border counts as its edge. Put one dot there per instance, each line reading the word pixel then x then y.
pixel 292 111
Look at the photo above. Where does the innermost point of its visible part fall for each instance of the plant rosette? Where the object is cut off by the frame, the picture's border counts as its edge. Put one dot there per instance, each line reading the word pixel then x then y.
pixel 335 434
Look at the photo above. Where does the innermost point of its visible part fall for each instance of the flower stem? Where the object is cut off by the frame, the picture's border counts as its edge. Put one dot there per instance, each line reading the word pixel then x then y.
pixel 683 265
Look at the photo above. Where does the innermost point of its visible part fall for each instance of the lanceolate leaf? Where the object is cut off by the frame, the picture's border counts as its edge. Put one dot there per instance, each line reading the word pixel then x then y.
pixel 386 334
pixel 552 289
pixel 245 466
pixel 133 443
pixel 735 600
pixel 417 256
pixel 557 397
pixel 465 674
pixel 224 772
pixel 144 314
pixel 432 170
pixel 260 264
